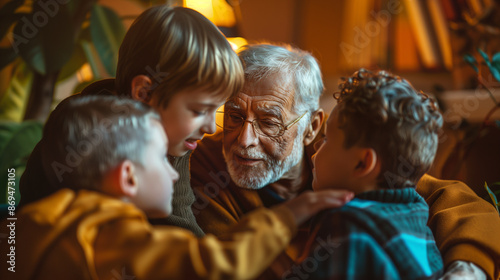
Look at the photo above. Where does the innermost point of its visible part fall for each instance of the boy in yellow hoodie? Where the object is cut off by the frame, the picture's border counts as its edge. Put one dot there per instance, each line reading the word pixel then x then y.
pixel 106 159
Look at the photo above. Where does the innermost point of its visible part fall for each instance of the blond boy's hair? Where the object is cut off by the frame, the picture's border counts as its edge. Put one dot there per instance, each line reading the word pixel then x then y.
pixel 179 49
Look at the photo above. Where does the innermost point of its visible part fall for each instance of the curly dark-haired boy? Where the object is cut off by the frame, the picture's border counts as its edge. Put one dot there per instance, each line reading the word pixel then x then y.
pixel 380 139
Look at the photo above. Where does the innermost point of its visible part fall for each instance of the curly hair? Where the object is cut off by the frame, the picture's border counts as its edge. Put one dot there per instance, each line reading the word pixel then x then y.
pixel 384 112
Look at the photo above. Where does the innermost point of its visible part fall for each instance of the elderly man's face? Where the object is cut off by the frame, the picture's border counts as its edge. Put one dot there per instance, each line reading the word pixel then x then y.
pixel 255 160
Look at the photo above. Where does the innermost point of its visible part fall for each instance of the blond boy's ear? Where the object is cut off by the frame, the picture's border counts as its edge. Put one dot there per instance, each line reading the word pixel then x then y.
pixel 121 181
pixel 141 88
pixel 368 163
pixel 314 126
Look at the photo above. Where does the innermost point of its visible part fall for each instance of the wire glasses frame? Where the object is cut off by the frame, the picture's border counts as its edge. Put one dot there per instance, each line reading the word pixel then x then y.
pixel 267 128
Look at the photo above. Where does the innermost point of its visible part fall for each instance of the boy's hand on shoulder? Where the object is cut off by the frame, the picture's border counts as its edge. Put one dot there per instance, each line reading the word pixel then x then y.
pixel 461 270
pixel 309 203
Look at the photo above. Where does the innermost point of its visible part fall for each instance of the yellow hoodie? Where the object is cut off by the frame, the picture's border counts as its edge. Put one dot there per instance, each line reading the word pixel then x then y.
pixel 88 235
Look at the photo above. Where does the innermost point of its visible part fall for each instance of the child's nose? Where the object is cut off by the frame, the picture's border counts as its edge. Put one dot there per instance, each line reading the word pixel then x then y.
pixel 209 126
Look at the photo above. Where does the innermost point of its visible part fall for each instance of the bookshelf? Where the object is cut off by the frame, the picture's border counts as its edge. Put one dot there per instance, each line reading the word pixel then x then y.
pixel 407 35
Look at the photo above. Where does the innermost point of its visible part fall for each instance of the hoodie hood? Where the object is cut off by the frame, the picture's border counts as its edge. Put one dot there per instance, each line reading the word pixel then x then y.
pixel 65 215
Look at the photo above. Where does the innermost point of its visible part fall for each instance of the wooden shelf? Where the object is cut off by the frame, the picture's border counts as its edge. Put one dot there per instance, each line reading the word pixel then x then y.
pixel 472 105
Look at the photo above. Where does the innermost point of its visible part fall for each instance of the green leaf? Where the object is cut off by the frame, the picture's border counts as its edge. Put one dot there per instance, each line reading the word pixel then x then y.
pixel 497 122
pixel 495 60
pixel 17 140
pixel 45 41
pixel 7 56
pixel 107 32
pixel 495 66
pixel 492 196
pixel 92 58
pixel 484 55
pixel 494 71
pixel 14 100
pixel 471 60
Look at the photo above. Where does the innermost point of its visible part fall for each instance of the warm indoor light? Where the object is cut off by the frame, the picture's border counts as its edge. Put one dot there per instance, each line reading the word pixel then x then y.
pixel 237 42
pixel 84 74
pixel 217 11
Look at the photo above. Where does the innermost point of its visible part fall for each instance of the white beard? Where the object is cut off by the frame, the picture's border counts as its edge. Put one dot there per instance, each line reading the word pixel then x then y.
pixel 250 177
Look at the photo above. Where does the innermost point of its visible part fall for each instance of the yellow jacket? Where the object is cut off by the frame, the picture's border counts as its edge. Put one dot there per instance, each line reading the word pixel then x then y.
pixel 465 226
pixel 88 235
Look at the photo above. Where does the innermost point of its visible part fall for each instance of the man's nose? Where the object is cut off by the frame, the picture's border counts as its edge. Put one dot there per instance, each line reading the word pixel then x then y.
pixel 248 136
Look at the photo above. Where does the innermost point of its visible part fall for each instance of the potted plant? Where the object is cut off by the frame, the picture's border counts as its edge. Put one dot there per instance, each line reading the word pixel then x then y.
pixel 43 43
pixel 474 159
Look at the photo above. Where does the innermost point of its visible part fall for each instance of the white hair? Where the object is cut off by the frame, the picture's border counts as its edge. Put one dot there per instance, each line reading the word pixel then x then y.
pixel 262 60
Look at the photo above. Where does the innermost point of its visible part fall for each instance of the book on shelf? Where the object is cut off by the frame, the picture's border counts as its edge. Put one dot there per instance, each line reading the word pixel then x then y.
pixel 416 37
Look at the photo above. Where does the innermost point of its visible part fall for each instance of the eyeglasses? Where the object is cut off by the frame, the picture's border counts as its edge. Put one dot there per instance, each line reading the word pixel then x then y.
pixel 233 121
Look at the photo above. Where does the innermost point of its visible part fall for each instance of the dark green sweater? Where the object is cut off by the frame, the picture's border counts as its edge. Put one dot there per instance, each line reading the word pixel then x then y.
pixel 182 215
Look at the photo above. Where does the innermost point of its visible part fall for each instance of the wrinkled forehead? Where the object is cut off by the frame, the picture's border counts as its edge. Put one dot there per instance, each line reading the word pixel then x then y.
pixel 274 93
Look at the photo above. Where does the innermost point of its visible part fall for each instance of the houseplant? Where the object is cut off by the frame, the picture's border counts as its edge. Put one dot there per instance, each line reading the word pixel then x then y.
pixel 42 43
pixel 475 157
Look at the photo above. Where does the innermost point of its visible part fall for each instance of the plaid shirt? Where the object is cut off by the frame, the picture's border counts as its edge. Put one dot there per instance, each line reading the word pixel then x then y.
pixel 380 234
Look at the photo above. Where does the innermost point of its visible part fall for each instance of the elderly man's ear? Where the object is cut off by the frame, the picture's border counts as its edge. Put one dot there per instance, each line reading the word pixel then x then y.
pixel 314 126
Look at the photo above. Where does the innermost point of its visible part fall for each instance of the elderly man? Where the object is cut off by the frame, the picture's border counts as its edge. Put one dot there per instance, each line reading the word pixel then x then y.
pixel 262 158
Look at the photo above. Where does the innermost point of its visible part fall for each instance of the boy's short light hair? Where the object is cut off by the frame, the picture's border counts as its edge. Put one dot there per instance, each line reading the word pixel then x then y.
pixel 86 136
pixel 384 112
pixel 179 49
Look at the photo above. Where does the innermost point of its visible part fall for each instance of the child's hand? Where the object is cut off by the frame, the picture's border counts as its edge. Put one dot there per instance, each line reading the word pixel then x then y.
pixel 310 203
pixel 462 270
